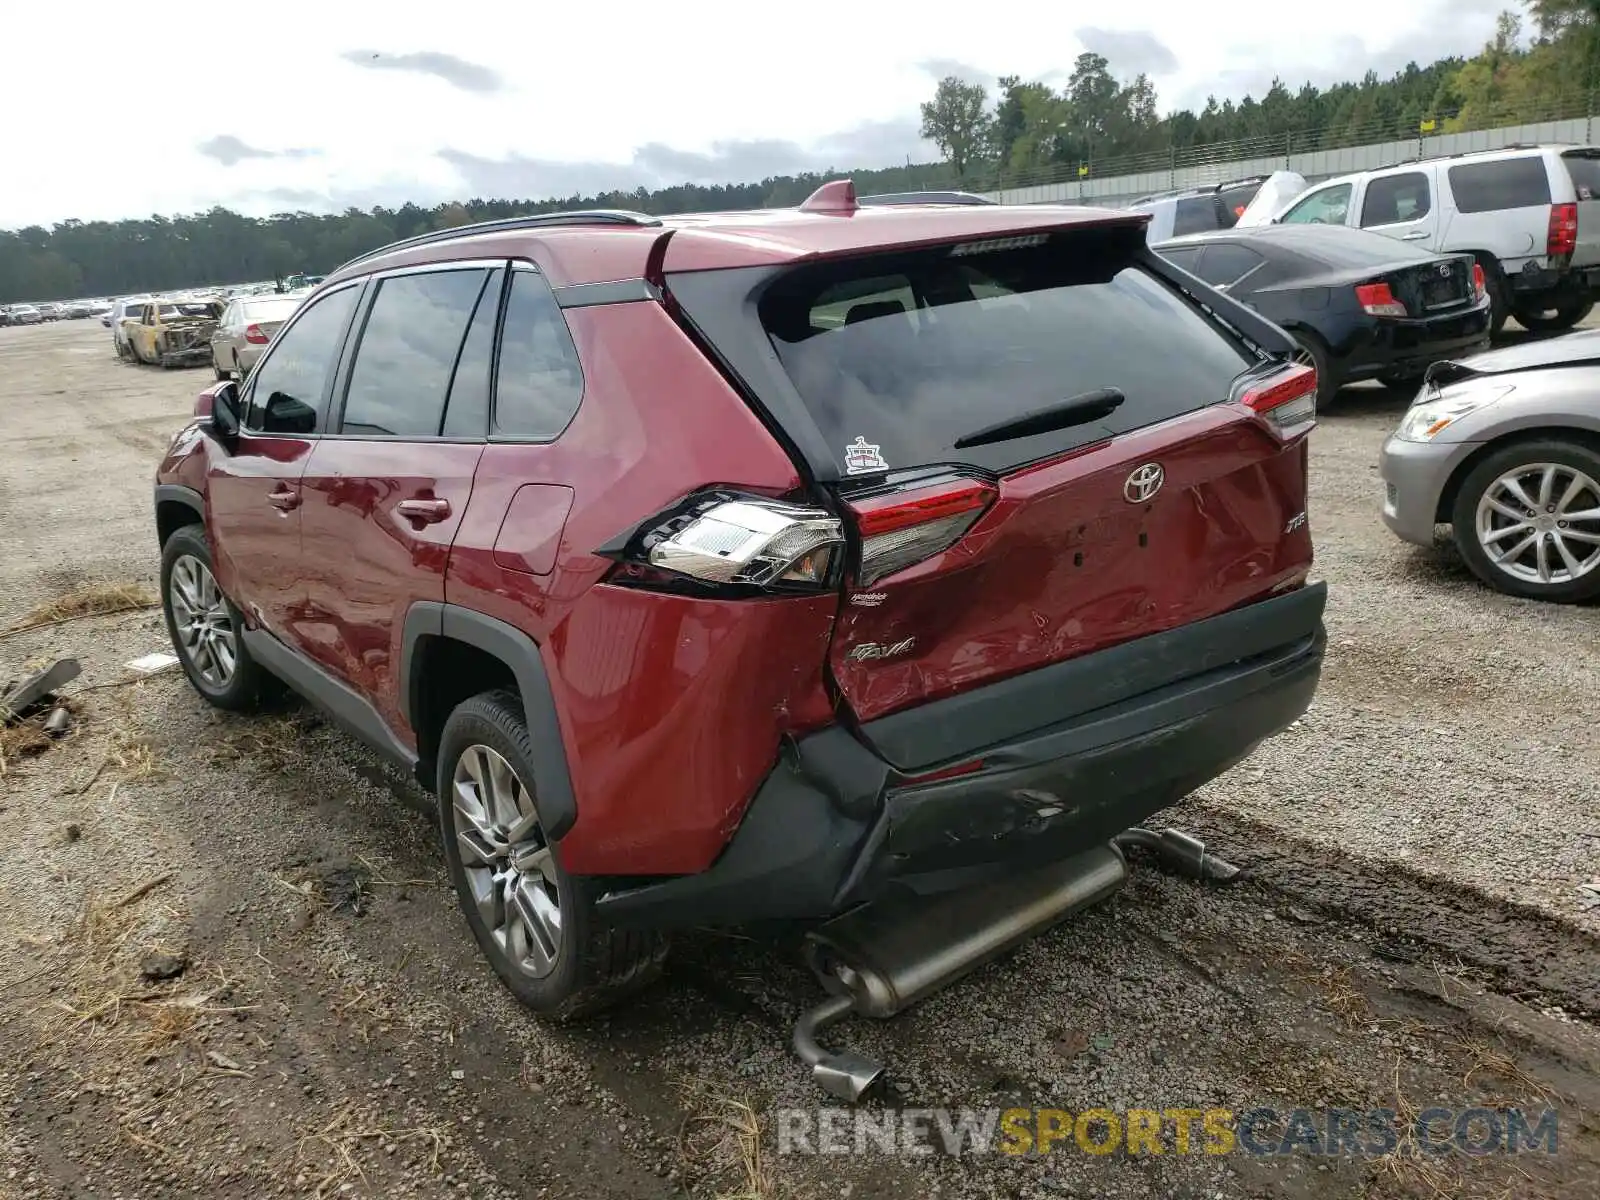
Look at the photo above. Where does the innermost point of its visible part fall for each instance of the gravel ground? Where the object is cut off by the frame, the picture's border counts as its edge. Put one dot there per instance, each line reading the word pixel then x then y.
pixel 1409 933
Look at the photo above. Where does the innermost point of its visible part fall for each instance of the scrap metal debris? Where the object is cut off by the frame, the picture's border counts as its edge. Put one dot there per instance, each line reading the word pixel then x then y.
pixel 21 699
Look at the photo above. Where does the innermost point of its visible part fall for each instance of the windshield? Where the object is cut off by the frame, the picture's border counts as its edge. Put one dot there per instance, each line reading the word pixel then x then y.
pixel 906 354
pixel 186 310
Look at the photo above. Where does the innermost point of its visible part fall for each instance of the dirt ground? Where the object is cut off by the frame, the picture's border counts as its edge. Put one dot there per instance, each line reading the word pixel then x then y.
pixel 230 964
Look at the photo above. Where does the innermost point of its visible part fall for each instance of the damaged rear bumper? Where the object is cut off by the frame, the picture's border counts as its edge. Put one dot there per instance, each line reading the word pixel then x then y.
pixel 835 824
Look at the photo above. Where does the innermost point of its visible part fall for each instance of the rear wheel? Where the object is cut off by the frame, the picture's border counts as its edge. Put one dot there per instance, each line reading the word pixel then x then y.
pixel 1313 353
pixel 1527 520
pixel 1553 320
pixel 534 922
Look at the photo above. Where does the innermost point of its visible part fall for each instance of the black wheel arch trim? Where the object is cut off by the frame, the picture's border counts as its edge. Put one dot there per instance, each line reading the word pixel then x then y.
pixel 177 493
pixel 558 808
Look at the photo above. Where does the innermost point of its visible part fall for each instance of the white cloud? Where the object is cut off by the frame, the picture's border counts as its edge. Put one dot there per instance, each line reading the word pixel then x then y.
pixel 268 108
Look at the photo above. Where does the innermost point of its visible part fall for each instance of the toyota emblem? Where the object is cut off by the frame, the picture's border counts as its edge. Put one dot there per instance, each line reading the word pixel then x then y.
pixel 1444 270
pixel 1144 483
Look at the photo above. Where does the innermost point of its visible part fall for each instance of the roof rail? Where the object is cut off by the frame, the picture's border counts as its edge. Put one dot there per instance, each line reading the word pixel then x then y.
pixel 1415 160
pixel 925 198
pixel 593 216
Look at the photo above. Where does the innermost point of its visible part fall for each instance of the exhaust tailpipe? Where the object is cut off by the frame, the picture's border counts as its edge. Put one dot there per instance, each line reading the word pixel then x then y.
pixel 882 958
pixel 1180 852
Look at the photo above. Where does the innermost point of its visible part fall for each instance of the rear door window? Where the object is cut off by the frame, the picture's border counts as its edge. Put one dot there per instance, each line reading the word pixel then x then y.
pixel 1393 199
pixel 1225 264
pixel 1195 214
pixel 407 354
pixel 1499 184
pixel 937 344
pixel 1584 168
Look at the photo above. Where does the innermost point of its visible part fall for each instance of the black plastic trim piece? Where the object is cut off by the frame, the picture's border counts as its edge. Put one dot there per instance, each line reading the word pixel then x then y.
pixel 617 291
pixel 961 725
pixel 342 703
pixel 558 807
pixel 167 493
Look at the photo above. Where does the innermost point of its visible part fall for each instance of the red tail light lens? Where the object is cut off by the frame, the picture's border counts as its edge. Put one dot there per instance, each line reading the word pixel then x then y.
pixel 1563 239
pixel 1378 300
pixel 253 335
pixel 901 528
pixel 1286 401
pixel 1480 282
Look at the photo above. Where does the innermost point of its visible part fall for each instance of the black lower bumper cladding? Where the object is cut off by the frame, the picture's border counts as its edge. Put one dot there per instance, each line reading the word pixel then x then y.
pixel 1135 728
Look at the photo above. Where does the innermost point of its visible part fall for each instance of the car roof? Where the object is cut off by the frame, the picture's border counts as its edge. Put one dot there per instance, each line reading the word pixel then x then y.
pixel 579 248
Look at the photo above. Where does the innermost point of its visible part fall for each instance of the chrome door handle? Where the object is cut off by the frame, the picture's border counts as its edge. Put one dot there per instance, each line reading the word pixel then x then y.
pixel 1415 236
pixel 426 511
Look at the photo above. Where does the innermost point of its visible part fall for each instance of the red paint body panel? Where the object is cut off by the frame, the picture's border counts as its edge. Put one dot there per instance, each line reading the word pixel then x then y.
pixel 254 544
pixel 671 709
pixel 530 536
pixel 364 564
pixel 1012 596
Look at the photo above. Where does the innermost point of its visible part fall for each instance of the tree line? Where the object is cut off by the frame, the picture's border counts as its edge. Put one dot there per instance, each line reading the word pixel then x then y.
pixel 1025 128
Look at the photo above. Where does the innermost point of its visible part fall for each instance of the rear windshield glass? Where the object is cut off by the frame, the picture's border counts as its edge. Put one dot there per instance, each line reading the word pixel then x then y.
pixel 271 310
pixel 896 358
pixel 1585 172
pixel 1500 183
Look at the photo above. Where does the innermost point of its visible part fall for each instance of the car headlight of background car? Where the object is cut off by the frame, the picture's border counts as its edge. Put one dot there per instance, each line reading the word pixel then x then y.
pixel 1427 419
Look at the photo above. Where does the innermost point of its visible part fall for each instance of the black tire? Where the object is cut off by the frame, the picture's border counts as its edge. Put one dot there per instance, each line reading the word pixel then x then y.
pixel 594 965
pixel 1544 320
pixel 242 689
pixel 238 371
pixel 1464 514
pixel 1316 350
pixel 1494 282
pixel 1401 383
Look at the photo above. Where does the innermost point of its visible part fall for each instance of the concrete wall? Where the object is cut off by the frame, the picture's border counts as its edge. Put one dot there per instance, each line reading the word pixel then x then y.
pixel 1315 166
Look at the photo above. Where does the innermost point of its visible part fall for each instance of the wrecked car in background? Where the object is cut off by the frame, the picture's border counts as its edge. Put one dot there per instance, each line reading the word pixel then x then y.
pixel 171 333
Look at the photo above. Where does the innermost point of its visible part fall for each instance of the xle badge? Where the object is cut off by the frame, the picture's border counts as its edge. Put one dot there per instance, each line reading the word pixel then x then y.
pixel 867 651
pixel 862 458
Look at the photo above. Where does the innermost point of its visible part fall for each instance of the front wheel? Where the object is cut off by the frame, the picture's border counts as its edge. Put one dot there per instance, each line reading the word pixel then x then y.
pixel 1527 521
pixel 207 631
pixel 534 922
pixel 1553 320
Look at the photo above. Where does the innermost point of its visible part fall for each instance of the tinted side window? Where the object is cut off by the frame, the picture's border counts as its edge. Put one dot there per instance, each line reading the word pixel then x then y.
pixel 1506 183
pixel 467 414
pixel 1235 201
pixel 1197 214
pixel 408 353
pixel 1585 171
pixel 1185 259
pixel 539 382
pixel 1330 206
pixel 289 386
pixel 1392 199
pixel 1225 264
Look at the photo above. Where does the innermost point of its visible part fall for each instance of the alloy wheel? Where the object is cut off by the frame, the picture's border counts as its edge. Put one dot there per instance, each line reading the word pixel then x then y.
pixel 1540 523
pixel 506 860
pixel 200 617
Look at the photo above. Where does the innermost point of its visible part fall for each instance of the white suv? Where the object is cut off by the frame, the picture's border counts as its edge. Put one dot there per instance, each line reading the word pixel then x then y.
pixel 1530 215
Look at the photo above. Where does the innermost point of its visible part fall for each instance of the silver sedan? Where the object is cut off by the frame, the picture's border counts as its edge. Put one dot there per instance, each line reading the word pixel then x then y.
pixel 1505 448
pixel 246 329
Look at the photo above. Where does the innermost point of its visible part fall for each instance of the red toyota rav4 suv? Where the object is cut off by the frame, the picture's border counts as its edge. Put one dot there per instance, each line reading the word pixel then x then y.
pixel 727 568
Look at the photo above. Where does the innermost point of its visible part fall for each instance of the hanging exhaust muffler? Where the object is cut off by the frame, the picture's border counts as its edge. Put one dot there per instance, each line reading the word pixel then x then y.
pixel 884 957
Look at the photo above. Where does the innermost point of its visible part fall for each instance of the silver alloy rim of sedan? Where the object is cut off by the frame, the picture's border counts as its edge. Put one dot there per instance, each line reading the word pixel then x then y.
pixel 1540 523
pixel 200 617
pixel 506 860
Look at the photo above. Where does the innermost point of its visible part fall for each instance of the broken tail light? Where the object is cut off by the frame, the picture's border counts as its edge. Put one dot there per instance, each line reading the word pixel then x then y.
pixel 1285 400
pixel 725 540
pixel 904 527
pixel 1562 239
pixel 254 335
pixel 1378 300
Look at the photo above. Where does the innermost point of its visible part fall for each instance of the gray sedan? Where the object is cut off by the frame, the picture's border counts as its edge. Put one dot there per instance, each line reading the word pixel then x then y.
pixel 1505 448
pixel 246 329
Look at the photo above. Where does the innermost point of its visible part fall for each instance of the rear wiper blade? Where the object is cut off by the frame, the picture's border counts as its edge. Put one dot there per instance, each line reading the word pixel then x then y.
pixel 1075 410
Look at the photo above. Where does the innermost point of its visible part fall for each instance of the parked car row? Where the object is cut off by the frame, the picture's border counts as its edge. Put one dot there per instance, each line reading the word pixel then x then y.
pixel 34 314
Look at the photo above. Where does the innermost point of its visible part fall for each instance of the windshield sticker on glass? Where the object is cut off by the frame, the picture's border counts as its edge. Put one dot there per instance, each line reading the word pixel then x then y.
pixel 862 458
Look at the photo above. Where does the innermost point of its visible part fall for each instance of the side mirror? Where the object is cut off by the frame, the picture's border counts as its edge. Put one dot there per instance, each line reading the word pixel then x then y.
pixel 222 401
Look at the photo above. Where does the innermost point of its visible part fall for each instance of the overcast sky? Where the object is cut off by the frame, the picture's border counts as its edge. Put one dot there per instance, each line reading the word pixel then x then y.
pixel 291 104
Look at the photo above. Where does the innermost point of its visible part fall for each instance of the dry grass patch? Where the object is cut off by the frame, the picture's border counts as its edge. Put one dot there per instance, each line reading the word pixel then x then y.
pixel 719 1144
pixel 271 742
pixel 336 1150
pixel 92 600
